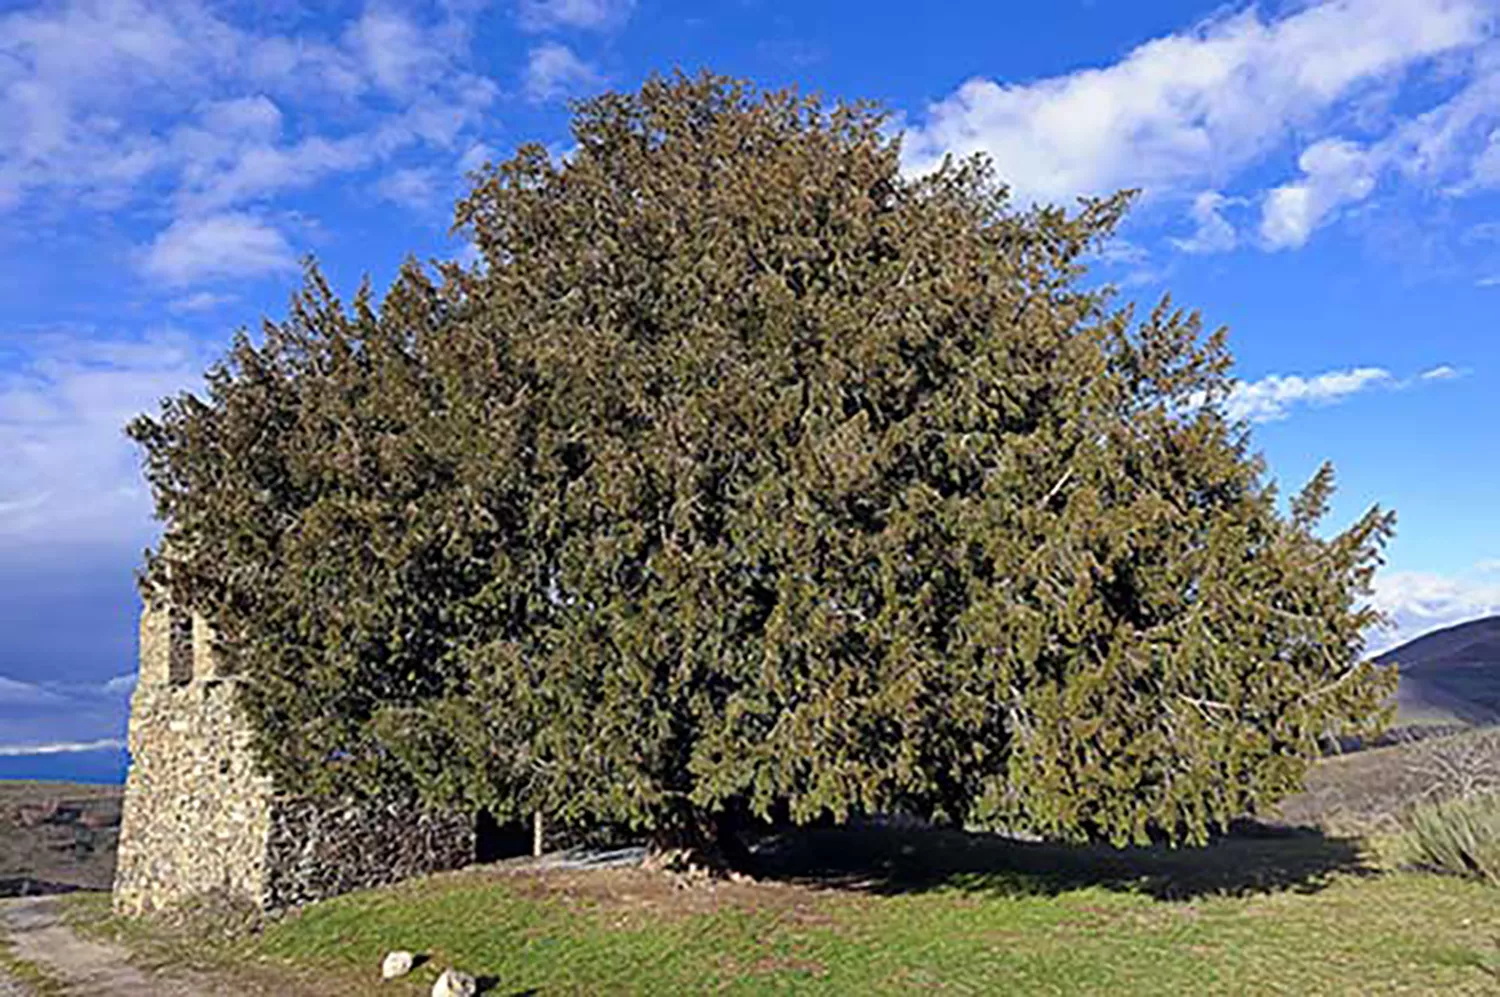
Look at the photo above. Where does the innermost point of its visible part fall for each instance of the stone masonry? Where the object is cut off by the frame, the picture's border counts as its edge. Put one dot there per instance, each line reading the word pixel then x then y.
pixel 201 818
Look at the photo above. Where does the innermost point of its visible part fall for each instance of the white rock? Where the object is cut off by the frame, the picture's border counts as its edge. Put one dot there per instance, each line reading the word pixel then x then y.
pixel 396 964
pixel 455 984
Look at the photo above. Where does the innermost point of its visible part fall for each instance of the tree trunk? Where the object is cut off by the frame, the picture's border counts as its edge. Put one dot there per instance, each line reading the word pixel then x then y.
pixel 699 842
pixel 538 834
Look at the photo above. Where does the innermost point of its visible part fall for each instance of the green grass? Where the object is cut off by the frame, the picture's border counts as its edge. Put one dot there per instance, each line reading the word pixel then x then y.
pixel 1029 932
pixel 1389 934
pixel 36 980
pixel 874 913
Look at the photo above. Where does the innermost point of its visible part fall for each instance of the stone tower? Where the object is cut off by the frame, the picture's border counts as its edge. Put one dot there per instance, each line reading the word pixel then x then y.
pixel 201 818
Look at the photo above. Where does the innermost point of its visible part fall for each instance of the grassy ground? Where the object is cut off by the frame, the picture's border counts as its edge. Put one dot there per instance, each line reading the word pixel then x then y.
pixel 901 913
pixel 36 982
pixel 836 912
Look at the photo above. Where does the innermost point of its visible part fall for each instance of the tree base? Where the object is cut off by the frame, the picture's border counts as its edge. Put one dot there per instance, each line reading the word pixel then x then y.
pixel 706 849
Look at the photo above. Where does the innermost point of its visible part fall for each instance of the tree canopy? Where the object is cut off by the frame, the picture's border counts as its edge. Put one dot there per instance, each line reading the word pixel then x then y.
pixel 746 474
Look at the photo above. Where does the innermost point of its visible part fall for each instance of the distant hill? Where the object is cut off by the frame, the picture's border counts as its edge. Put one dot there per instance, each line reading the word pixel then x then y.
pixel 56 837
pixel 1450 676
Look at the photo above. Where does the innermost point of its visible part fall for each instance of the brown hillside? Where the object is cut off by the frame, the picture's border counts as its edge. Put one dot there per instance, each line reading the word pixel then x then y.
pixel 56 837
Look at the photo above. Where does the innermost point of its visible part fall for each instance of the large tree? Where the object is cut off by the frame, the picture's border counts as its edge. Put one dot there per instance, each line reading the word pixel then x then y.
pixel 746 474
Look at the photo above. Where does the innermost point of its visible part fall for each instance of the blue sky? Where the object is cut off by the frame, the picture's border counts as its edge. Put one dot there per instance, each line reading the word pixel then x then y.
pixel 1323 178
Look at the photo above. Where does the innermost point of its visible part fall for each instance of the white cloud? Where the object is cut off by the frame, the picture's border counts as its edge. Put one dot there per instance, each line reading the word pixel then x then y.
pixel 1451 149
pixel 303 67
pixel 1197 110
pixel 225 177
pixel 256 116
pixel 414 189
pixel 120 684
pixel 17 693
pixel 1271 398
pixel 59 747
pixel 72 72
pixel 475 157
pixel 553 71
pixel 1455 138
pixel 106 101
pixel 67 473
pixel 406 55
pixel 1120 251
pixel 1419 602
pixel 1334 173
pixel 253 171
pixel 1214 232
pixel 57 717
pixel 233 244
pixel 1486 171
pixel 1189 107
pixel 394 50
pixel 543 15
pixel 1488 281
pixel 1130 264
pixel 199 301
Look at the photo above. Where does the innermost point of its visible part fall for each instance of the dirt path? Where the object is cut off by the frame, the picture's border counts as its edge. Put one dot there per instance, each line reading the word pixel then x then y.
pixel 40 936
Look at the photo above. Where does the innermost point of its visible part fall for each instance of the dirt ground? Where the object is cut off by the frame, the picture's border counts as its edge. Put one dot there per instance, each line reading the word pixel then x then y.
pixel 58 838
pixel 634 897
pixel 38 935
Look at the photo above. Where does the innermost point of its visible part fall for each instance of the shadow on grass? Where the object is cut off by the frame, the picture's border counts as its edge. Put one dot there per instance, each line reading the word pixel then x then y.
pixel 491 985
pixel 1253 858
pixel 26 886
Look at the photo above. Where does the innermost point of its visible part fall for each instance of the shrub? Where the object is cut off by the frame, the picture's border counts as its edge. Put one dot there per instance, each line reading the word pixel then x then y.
pixel 1457 766
pixel 1460 836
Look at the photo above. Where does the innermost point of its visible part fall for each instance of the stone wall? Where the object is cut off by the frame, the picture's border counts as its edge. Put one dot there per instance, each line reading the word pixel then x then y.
pixel 200 817
pixel 197 813
pixel 317 850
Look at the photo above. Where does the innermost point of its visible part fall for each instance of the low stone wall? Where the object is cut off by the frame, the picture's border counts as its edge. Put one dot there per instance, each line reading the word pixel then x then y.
pixel 317 849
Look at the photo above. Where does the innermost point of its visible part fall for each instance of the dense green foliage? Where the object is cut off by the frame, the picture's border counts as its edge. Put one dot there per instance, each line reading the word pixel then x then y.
pixel 748 475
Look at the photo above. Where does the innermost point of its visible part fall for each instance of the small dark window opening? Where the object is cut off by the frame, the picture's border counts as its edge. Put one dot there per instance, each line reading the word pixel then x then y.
pixel 180 648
